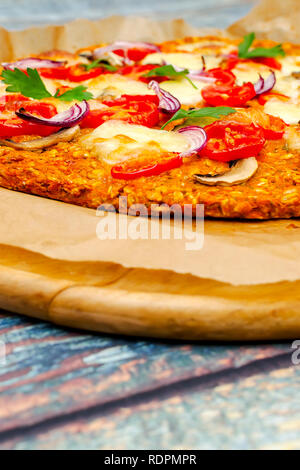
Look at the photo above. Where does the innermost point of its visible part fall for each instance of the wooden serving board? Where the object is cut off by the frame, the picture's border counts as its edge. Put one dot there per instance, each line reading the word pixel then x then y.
pixel 109 298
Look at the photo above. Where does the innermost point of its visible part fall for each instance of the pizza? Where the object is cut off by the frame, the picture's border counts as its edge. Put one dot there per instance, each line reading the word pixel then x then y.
pixel 201 120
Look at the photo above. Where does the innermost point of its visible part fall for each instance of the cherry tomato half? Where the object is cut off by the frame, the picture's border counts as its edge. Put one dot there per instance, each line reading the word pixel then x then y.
pixel 135 109
pixel 11 125
pixel 223 95
pixel 135 54
pixel 231 141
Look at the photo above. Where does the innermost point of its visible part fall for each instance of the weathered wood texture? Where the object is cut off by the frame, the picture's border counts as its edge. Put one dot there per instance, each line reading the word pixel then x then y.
pixel 66 390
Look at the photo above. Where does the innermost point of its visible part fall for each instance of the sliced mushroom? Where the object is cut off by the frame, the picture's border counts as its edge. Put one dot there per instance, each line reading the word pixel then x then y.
pixel 242 171
pixel 64 135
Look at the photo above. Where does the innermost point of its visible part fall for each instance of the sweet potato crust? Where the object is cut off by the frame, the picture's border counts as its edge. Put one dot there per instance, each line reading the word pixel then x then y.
pixel 69 173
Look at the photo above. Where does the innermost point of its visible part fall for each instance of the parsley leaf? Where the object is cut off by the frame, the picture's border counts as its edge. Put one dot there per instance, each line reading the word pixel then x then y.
pixel 78 93
pixel 170 72
pixel 31 85
pixel 99 63
pixel 28 84
pixel 215 112
pixel 244 53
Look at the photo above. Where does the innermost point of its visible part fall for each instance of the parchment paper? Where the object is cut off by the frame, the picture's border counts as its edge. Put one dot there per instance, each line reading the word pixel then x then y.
pixel 272 19
pixel 234 252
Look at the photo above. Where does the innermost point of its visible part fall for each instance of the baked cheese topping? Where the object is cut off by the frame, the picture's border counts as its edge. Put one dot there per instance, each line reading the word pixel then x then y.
pixel 113 85
pixel 117 141
pixel 287 111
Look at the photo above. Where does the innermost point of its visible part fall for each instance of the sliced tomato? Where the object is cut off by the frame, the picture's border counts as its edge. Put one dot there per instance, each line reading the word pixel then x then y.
pixel 58 73
pixel 222 76
pixel 134 109
pixel 231 141
pixel 135 54
pixel 224 95
pixel 273 127
pixel 136 72
pixel 129 171
pixel 12 102
pixel 11 125
pixel 78 73
pixel 270 95
pixel 233 61
pixel 269 62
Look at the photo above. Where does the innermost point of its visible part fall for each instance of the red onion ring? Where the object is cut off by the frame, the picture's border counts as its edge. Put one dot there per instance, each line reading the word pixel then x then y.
pixel 32 63
pixel 67 118
pixel 197 138
pixel 123 45
pixel 263 85
pixel 167 102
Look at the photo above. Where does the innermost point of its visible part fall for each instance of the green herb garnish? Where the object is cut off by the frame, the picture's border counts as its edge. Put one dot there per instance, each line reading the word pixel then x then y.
pixel 99 63
pixel 31 85
pixel 78 93
pixel 215 112
pixel 169 72
pixel 244 46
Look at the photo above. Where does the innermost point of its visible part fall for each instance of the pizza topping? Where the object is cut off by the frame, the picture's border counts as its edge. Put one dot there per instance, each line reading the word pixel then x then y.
pixel 11 125
pixel 115 85
pixel 67 118
pixel 241 171
pixel 265 85
pixel 132 171
pixel 228 141
pixel 197 139
pixel 30 84
pixel 64 135
pixel 134 109
pixel 130 51
pixel 167 102
pixel 224 95
pixel 273 127
pixel 32 63
pixel 244 51
pixel 169 71
pixel 288 112
pixel 116 141
pixel 214 112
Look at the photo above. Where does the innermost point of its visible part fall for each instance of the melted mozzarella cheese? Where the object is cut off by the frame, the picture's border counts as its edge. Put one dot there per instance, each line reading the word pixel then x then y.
pixel 184 91
pixel 178 59
pixel 116 85
pixel 288 86
pixel 287 111
pixel 290 64
pixel 245 73
pixel 207 46
pixel 116 141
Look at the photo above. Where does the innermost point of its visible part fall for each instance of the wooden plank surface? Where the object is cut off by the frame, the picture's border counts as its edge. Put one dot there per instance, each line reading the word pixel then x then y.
pixel 69 390
pixel 55 380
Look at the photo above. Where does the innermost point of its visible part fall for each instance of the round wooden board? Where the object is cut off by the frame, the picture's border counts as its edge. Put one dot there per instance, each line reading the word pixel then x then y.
pixel 108 298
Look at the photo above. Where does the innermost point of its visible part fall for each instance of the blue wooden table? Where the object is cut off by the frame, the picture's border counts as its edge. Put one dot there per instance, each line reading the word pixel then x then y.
pixel 72 390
